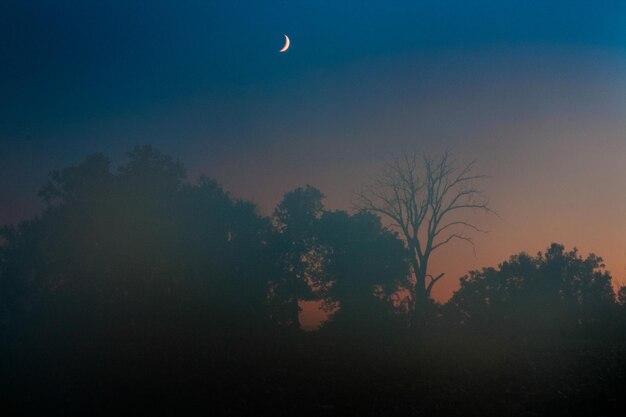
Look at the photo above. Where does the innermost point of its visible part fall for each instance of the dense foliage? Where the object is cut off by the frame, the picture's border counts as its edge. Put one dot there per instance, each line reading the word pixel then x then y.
pixel 137 283
pixel 138 249
pixel 555 291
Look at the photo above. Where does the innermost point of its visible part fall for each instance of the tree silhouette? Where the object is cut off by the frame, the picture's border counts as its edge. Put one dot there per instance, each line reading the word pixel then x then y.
pixel 365 266
pixel 425 199
pixel 136 253
pixel 135 282
pixel 554 290
pixel 621 296
pixel 82 184
pixel 296 218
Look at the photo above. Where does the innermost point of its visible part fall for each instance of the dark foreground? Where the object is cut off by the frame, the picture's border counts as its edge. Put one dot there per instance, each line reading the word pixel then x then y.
pixel 317 374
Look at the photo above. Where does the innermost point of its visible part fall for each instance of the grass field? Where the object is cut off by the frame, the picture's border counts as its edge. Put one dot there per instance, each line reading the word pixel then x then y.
pixel 321 374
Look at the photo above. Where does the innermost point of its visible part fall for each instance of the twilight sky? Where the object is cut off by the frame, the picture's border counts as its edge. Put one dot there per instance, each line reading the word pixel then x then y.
pixel 534 91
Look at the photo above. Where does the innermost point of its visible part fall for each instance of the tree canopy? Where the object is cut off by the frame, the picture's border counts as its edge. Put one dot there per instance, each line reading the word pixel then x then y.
pixel 554 290
pixel 141 250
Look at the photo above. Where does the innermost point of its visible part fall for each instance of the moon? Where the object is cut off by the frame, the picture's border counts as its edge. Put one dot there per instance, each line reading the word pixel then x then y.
pixel 287 43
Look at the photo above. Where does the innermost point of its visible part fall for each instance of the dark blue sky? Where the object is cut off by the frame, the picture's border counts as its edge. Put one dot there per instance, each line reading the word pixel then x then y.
pixel 535 91
pixel 67 63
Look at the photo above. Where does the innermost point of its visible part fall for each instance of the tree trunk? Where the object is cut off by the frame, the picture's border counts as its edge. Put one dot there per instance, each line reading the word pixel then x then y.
pixel 420 295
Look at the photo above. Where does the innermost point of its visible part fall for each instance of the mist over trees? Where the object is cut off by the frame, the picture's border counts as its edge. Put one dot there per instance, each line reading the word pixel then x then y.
pixel 134 273
pixel 138 247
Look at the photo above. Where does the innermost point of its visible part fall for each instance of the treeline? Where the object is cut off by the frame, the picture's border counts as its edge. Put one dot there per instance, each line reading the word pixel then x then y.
pixel 138 254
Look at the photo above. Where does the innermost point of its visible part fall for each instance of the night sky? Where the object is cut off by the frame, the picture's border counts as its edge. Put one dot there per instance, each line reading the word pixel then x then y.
pixel 534 91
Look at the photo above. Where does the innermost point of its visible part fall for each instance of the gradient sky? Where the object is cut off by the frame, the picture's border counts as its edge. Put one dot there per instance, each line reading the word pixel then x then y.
pixel 534 91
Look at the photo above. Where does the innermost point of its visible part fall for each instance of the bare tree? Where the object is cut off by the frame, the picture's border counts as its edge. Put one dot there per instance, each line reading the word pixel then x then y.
pixel 426 198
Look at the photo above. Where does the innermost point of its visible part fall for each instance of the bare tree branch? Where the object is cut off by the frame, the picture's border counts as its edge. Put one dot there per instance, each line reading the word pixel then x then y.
pixel 421 196
pixel 432 282
pixel 462 224
pixel 454 236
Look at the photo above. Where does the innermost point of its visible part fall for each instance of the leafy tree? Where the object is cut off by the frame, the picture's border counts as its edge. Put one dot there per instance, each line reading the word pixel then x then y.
pixel 135 253
pixel 365 266
pixel 349 262
pixel 555 289
pixel 296 244
pixel 621 296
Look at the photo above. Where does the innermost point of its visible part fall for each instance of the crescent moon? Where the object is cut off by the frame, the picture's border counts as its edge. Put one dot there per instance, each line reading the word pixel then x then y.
pixel 287 43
